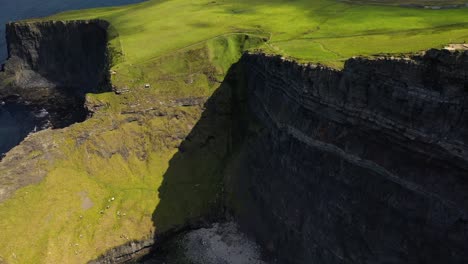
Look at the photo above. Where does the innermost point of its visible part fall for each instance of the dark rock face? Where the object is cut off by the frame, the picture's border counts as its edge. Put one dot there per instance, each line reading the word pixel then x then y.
pixel 70 55
pixel 51 66
pixel 364 165
pixel 125 253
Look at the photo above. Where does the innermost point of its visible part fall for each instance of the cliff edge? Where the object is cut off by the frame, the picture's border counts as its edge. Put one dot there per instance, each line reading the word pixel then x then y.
pixel 52 65
pixel 364 165
pixel 71 55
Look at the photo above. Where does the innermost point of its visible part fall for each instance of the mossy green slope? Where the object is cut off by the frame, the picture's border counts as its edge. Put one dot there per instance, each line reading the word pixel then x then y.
pixel 103 176
pixel 183 49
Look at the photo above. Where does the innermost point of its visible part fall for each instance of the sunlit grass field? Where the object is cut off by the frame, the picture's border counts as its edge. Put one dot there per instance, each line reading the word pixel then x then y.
pixel 321 31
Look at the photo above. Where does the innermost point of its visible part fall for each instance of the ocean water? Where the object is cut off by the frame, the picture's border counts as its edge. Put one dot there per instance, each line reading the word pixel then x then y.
pixel 12 10
pixel 17 121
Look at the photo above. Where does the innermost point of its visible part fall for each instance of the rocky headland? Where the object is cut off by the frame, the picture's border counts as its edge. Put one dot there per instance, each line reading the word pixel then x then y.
pixel 52 65
pixel 367 164
pixel 363 165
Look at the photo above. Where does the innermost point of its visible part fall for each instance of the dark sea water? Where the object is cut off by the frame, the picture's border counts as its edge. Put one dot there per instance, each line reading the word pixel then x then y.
pixel 17 121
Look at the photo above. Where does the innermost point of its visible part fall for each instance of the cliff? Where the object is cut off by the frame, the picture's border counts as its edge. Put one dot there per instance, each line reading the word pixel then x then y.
pixel 96 184
pixel 69 55
pixel 52 65
pixel 364 165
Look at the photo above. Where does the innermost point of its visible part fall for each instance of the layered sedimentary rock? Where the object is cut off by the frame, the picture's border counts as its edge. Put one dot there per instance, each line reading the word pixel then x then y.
pixel 54 64
pixel 70 55
pixel 51 66
pixel 364 165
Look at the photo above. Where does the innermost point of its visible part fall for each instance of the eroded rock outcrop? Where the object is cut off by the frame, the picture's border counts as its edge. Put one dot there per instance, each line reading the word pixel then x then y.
pixel 69 55
pixel 54 64
pixel 51 66
pixel 364 165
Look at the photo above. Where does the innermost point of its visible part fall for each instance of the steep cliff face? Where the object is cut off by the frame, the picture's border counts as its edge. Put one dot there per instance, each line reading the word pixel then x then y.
pixel 52 65
pixel 70 55
pixel 364 165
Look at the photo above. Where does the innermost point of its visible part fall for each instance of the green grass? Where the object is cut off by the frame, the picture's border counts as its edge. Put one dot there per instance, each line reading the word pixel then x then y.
pixel 321 31
pixel 51 223
pixel 126 150
pixel 183 48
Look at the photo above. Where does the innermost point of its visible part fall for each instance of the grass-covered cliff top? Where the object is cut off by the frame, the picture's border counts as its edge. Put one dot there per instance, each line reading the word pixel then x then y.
pixel 325 31
pixel 120 175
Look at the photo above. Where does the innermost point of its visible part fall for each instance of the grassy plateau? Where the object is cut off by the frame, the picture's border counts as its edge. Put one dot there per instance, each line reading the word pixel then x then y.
pixel 102 176
pixel 324 31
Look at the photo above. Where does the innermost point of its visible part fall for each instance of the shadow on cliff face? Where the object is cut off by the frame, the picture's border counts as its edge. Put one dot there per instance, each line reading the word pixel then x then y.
pixel 70 56
pixel 53 65
pixel 191 194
